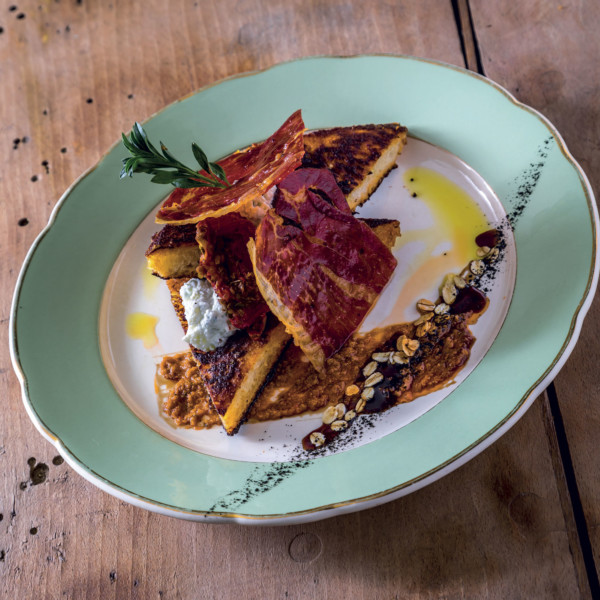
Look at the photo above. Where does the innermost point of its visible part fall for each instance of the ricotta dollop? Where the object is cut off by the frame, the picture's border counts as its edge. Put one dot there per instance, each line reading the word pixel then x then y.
pixel 208 325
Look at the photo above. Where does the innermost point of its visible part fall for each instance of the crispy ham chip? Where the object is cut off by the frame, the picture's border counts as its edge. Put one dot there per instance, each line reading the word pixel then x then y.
pixel 252 172
pixel 319 268
pixel 225 263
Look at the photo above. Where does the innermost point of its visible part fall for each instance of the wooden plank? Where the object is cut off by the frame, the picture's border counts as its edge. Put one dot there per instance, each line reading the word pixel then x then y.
pixel 543 53
pixel 492 529
pixel 467 35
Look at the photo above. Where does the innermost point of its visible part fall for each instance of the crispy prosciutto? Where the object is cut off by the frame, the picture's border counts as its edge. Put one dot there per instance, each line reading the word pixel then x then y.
pixel 252 172
pixel 225 263
pixel 319 268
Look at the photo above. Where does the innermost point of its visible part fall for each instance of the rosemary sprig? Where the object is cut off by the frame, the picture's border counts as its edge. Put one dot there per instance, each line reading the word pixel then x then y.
pixel 165 168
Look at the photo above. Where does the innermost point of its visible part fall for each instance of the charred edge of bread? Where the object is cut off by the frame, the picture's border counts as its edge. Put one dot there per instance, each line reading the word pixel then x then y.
pixel 356 205
pixel 172 236
pixel 174 285
pixel 372 148
pixel 259 391
pixel 173 252
pixel 234 374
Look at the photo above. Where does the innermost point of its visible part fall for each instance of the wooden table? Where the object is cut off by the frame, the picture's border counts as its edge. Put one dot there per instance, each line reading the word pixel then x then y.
pixel 519 521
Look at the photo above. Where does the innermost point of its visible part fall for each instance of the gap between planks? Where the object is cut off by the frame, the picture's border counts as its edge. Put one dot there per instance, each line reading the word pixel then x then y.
pixel 566 481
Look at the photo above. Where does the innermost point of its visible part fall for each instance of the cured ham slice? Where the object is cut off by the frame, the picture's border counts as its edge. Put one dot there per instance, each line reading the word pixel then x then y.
pixel 251 172
pixel 319 268
pixel 225 263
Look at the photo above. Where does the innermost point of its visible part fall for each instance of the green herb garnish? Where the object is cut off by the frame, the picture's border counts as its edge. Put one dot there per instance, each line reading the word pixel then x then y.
pixel 165 168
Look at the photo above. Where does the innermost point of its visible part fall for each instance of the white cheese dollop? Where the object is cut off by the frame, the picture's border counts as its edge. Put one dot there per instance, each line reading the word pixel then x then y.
pixel 208 325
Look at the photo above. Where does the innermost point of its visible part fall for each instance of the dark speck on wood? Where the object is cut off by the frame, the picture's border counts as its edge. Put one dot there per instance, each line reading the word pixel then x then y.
pixel 22 222
pixel 58 460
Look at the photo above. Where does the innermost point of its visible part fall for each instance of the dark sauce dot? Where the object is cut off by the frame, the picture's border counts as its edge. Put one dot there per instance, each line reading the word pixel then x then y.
pixel 469 299
pixel 24 139
pixel 22 222
pixel 21 16
pixel 414 195
pixel 412 178
pixel 44 112
pixel 23 485
pixel 63 150
pixel 1 516
pixel 33 530
pixel 1 29
pixel 58 460
pixel 2 555
pixel 67 28
pixel 113 576
pixel 16 141
pixel 31 461
pixel 12 8
pixel 89 100
pixel 130 96
pixel 34 178
pixel 488 238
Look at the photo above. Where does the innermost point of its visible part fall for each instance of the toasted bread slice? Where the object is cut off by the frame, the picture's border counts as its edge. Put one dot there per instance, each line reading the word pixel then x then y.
pixel 235 374
pixel 174 252
pixel 359 157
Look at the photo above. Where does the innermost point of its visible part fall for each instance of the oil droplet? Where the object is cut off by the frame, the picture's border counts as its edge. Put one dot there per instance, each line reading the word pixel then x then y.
pixel 141 326
pixel 447 245
pixel 458 218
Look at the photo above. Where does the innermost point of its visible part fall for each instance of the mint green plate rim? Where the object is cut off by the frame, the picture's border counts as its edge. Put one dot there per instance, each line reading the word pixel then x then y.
pixel 175 478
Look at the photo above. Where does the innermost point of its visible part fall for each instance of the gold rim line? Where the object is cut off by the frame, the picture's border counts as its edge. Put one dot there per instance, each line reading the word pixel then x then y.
pixel 575 325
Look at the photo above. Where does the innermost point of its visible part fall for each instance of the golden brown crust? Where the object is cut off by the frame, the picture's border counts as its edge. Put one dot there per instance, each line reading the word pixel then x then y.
pixel 359 157
pixel 174 286
pixel 173 252
pixel 171 236
pixel 235 374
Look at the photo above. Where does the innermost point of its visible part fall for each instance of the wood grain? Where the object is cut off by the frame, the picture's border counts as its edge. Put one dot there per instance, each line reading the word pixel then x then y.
pixel 493 529
pixel 545 54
